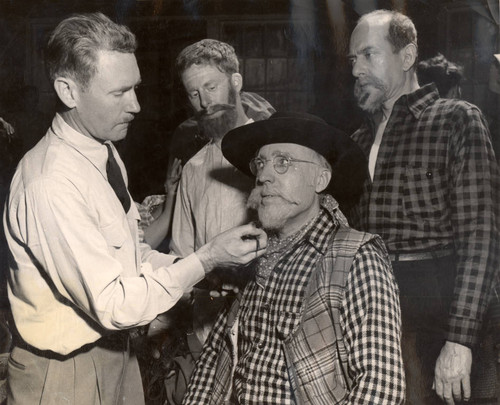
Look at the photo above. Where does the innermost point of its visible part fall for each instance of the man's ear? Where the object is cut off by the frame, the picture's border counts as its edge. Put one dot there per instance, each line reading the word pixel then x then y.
pixel 237 81
pixel 409 55
pixel 323 180
pixel 67 91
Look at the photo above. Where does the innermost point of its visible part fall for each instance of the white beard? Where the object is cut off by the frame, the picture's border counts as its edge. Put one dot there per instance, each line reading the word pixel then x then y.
pixel 272 216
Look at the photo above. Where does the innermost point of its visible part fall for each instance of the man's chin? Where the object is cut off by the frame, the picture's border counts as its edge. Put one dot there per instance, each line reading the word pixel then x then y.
pixel 273 217
pixel 218 125
pixel 370 100
pixel 370 106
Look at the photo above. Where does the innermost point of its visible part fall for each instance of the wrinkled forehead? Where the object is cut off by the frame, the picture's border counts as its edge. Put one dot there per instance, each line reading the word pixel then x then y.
pixel 292 149
pixel 204 65
pixel 203 72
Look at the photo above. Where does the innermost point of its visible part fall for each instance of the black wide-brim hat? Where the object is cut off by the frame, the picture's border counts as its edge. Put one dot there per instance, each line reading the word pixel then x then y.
pixel 349 166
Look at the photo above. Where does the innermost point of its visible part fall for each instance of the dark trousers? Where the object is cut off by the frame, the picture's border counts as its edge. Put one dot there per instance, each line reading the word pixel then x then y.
pixel 105 373
pixel 426 291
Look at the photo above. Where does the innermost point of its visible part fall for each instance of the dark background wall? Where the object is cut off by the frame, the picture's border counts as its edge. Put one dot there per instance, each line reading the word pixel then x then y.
pixel 291 52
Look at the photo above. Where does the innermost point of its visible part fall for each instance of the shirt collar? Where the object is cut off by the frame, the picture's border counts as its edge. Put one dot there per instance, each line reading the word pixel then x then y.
pixel 415 102
pixel 329 219
pixel 93 150
pixel 419 100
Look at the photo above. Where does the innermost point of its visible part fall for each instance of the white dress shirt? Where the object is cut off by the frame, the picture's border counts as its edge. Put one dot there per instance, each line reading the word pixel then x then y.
pixel 77 268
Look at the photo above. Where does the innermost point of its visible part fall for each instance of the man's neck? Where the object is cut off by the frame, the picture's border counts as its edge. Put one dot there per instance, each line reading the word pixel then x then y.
pixel 409 86
pixel 307 217
pixel 72 119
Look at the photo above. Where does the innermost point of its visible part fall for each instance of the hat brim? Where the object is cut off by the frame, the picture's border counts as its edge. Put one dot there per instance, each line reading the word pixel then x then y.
pixel 349 166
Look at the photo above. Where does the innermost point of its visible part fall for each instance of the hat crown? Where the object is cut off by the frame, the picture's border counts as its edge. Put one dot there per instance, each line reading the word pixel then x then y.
pixel 298 116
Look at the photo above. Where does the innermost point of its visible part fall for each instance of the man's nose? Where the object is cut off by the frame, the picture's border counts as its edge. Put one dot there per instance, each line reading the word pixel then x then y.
pixel 358 68
pixel 267 173
pixel 133 107
pixel 205 101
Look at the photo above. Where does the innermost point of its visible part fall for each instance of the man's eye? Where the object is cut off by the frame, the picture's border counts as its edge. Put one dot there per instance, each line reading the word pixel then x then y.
pixel 259 164
pixel 282 161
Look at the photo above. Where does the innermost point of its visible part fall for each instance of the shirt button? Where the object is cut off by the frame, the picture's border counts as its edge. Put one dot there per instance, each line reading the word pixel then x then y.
pixel 260 345
pixel 265 307
pixel 429 174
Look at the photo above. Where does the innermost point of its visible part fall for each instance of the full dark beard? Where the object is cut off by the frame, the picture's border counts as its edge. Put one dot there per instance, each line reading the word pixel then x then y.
pixel 215 128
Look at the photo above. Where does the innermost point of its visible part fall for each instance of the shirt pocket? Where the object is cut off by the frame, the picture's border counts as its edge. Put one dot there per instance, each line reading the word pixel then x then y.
pixel 286 323
pixel 424 193
pixel 114 233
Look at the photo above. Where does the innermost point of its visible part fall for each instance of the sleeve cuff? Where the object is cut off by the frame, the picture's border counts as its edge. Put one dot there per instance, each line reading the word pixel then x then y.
pixel 464 331
pixel 188 271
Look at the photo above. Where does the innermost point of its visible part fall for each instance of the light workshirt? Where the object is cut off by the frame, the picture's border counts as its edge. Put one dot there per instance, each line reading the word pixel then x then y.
pixel 211 199
pixel 77 269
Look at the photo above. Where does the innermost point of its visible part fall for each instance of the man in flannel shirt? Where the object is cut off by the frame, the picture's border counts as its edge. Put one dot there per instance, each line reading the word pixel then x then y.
pixel 319 322
pixel 432 197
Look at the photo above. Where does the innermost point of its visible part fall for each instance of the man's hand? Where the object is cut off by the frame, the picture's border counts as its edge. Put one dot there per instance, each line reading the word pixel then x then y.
pixel 173 176
pixel 9 129
pixel 452 373
pixel 225 289
pixel 233 248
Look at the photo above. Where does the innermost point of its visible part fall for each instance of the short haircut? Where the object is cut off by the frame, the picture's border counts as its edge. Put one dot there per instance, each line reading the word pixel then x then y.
pixel 443 73
pixel 402 31
pixel 73 46
pixel 208 52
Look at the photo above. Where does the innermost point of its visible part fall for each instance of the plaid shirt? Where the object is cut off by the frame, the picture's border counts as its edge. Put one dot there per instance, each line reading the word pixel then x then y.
pixel 435 186
pixel 267 316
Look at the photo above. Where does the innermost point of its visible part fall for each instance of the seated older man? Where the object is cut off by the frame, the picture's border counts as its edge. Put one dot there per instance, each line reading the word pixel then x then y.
pixel 320 321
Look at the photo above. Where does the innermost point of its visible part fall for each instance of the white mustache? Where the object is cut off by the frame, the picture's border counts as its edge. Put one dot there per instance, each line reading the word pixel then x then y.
pixel 258 193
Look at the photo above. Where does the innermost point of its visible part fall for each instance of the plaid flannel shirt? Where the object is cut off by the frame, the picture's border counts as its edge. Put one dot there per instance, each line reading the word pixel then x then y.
pixel 264 319
pixel 436 186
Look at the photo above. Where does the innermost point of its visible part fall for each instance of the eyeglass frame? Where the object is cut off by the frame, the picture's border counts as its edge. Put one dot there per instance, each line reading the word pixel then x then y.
pixel 291 160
